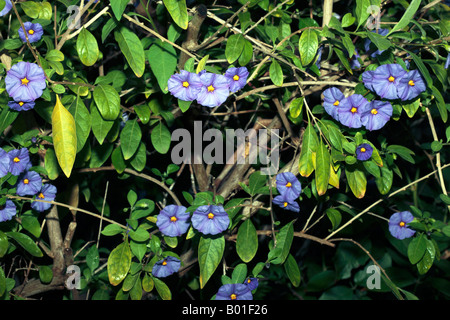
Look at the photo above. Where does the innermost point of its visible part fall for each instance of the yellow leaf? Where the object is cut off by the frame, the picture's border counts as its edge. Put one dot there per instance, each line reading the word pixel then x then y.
pixel 64 137
pixel 334 177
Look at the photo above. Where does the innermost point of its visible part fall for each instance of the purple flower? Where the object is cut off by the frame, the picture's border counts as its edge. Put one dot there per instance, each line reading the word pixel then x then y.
pixel 385 80
pixel 166 267
pixel 367 43
pixel 8 6
pixel 376 114
pixel 34 32
pixel 411 85
pixel 288 185
pixel 234 291
pixel 173 220
pixel 288 204
pixel 332 98
pixel 319 57
pixel 350 110
pixel 184 85
pixel 5 163
pixel 47 193
pixel 29 184
pixel 251 283
pixel 398 225
pixel 214 91
pixel 364 151
pixel 237 78
pixel 210 219
pixel 447 61
pixel 20 159
pixel 354 62
pixel 7 211
pixel 25 81
pixel 21 105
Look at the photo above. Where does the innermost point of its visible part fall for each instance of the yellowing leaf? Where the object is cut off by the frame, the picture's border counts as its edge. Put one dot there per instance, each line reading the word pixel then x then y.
pixel 64 137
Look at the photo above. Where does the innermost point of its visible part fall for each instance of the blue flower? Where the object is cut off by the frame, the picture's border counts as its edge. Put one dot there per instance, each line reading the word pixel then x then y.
pixel 20 160
pixel 398 225
pixel 185 85
pixel 25 81
pixel 34 32
pixel 364 151
pixel 7 8
pixel 7 211
pixel 214 91
pixel 210 219
pixel 354 62
pixel 384 80
pixel 173 220
pixel 447 61
pixel 166 267
pixel 376 114
pixel 332 98
pixel 234 291
pixel 5 163
pixel 284 202
pixel 350 110
pixel 251 283
pixel 47 193
pixel 288 185
pixel 29 184
pixel 21 105
pixel 237 78
pixel 411 85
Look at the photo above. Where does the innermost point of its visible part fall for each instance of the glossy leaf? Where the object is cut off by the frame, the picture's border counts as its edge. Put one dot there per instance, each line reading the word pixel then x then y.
pixel 356 180
pixel 308 45
pixel 64 137
pixel 322 174
pixel 279 253
pixel 161 138
pixel 235 46
pixel 130 138
pixel 308 152
pixel 4 244
pixel 87 48
pixel 210 252
pixel 407 16
pixel 178 11
pixel 247 241
pixel 163 289
pixel 82 119
pixel 163 60
pixel 131 47
pixel 417 248
pixel 26 242
pixel 119 262
pixel 276 73
pixel 107 101
pixel 118 7
pixel 292 270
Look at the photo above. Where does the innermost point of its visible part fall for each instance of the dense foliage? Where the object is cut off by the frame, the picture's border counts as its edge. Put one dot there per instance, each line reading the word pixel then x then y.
pixel 117 180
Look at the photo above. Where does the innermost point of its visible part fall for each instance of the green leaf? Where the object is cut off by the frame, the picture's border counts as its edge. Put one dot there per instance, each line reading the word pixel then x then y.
pixel 247 241
pixel 247 53
pixel 356 180
pixel 417 248
pixel 381 42
pixel 139 159
pixel 162 58
pixel 163 289
pixel 210 252
pixel 284 238
pixel 4 244
pixel 161 138
pixel 428 258
pixel 256 181
pixel 82 120
pixel 7 117
pixel 276 73
pixel 309 147
pixel 87 48
pixel 130 138
pixel 119 262
pixel 132 49
pixel 292 270
pixel 308 45
pixel 118 7
pixel 295 107
pixel 93 258
pixel 402 151
pixel 235 46
pixel 335 217
pixel 107 101
pixel 112 230
pixel 384 182
pixel 51 164
pixel 178 11
pixel 147 283
pixel 407 16
pixel 361 11
pixel 239 273
pixel 26 242
pixel 64 137
pixel 31 9
pixel 440 102
pixel 201 64
pixel 100 126
pixel 322 169
pixel 411 108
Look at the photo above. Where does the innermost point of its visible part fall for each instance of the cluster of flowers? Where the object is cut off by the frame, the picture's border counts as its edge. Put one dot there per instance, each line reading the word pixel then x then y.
pixel 29 183
pixel 209 89
pixel 24 82
pixel 238 291
pixel 289 188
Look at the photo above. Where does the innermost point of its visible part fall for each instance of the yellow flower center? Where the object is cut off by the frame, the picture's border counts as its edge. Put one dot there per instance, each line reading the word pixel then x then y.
pixel 16 160
pixel 236 77
pixel 353 110
pixel 249 281
pixel 391 79
pixel 30 31
pixel 363 150
pixel 233 296
pixel 336 103
pixel 401 224
pixel 210 215
pixel 41 196
pixel 374 111
pixel 26 181
pixel 211 88
pixel 285 204
pixel 173 219
pixel 288 184
pixel 25 81
pixel 20 103
pixel 411 83
pixel 185 84
pixel 164 263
